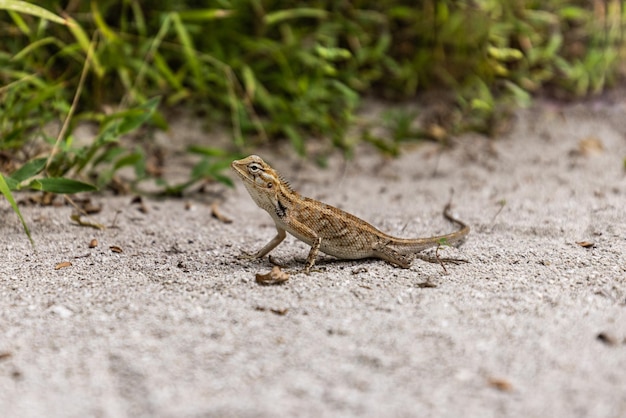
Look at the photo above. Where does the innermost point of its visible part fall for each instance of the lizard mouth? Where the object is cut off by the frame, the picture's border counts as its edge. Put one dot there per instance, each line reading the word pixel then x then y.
pixel 236 165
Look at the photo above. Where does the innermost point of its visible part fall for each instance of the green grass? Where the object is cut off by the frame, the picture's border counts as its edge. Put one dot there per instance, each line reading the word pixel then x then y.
pixel 272 71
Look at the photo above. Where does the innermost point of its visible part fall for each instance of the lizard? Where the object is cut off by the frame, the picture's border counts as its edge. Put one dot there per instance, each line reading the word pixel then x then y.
pixel 329 229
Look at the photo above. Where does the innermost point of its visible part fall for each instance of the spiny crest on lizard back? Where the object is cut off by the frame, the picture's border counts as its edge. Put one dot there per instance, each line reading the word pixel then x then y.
pixel 276 175
pixel 285 183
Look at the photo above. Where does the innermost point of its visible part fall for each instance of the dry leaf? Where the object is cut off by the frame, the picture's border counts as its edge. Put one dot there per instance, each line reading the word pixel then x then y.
pixel 116 249
pixel 62 265
pixel 280 312
pixel 93 243
pixel 606 338
pixel 276 276
pixel 142 208
pixel 500 384
pixel 586 244
pixel 44 199
pixel 438 132
pixel 78 219
pixel 87 206
pixel 426 285
pixel 118 186
pixel 590 145
pixel 215 212
pixel 138 200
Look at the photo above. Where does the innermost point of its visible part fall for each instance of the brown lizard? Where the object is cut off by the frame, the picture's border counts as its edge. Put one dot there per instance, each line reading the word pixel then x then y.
pixel 329 229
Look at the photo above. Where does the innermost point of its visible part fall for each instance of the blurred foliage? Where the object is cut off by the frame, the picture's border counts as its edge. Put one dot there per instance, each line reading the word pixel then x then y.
pixel 274 69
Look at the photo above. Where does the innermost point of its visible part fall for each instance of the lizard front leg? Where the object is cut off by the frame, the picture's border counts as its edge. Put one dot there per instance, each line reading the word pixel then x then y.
pixel 280 236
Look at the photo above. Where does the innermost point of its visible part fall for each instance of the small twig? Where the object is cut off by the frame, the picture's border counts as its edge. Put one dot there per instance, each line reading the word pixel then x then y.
pixel 215 212
pixel 437 161
pixel 76 217
pixel 443 266
pixel 70 113
pixel 502 203
pixel 113 225
pixel 75 206
pixel 451 196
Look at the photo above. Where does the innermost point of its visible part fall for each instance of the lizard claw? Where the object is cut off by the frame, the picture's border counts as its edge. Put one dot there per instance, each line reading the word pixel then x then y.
pixel 440 260
pixel 246 256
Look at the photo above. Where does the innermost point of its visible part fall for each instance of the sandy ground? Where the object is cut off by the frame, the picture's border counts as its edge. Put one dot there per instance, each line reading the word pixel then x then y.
pixel 175 325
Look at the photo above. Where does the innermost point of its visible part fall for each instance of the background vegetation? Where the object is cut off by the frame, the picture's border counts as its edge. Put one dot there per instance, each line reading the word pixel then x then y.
pixel 273 70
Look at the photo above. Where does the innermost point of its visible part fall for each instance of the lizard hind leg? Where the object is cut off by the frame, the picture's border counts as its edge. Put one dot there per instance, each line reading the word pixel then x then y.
pixel 310 260
pixel 440 260
pixel 384 252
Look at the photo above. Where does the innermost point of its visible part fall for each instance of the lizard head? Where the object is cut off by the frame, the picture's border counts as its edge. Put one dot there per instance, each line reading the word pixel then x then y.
pixel 264 184
pixel 253 170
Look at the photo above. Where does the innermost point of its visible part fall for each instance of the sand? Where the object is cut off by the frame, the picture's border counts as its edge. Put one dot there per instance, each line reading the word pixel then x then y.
pixel 176 326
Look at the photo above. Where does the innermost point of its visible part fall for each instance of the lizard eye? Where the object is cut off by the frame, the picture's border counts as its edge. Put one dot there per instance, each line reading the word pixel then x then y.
pixel 254 168
pixel 270 185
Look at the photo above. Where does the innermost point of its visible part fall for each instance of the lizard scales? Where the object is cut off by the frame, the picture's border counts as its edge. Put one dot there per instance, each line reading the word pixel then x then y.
pixel 329 229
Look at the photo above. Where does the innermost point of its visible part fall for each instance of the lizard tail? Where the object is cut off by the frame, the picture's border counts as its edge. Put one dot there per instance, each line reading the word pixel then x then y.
pixel 456 238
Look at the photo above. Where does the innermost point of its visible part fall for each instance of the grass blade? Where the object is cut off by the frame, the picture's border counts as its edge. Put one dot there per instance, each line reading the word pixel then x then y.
pixel 189 50
pixel 205 14
pixel 281 15
pixel 61 185
pixel 4 189
pixel 28 170
pixel 31 9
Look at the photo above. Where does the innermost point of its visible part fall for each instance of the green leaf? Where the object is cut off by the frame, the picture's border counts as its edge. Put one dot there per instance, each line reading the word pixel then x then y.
pixel 28 170
pixel 130 159
pixel 4 189
pixel 249 81
pixel 20 22
pixel 166 71
pixel 478 104
pixel 223 179
pixel 31 9
pixel 575 13
pixel 333 54
pixel 32 47
pixel 205 14
pixel 134 118
pixel 13 185
pixel 208 151
pixel 83 40
pixel 189 51
pixel 61 185
pixel 102 25
pixel 505 54
pixel 522 97
pixel 280 15
pixel 297 141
